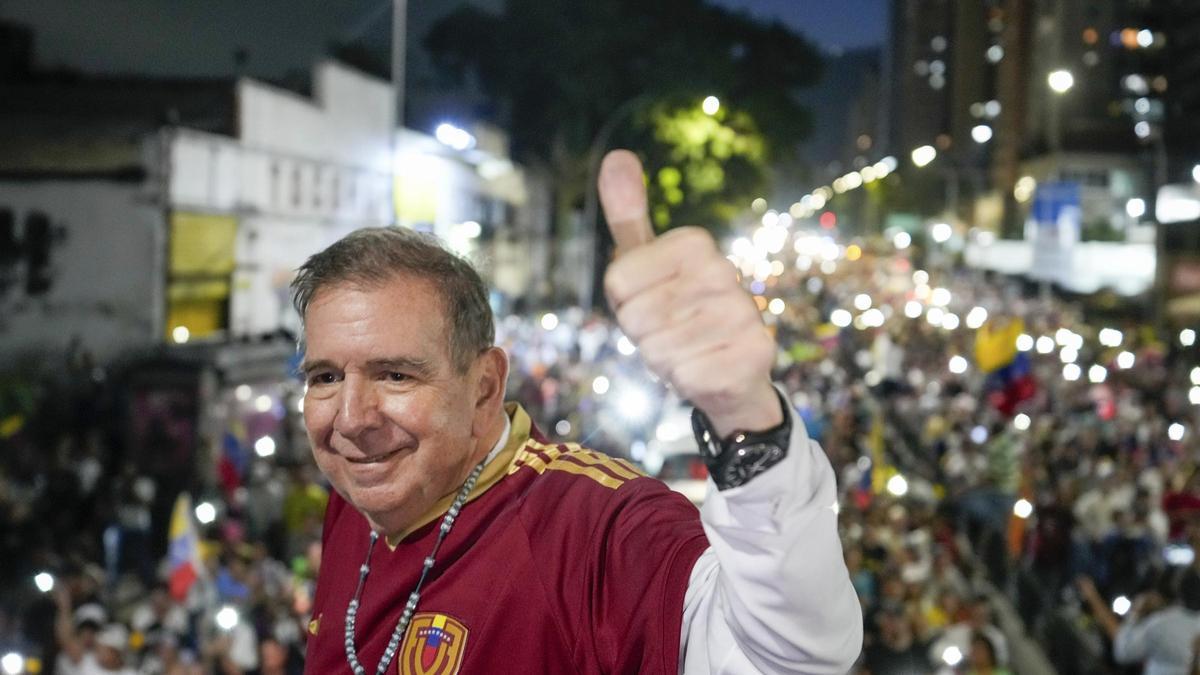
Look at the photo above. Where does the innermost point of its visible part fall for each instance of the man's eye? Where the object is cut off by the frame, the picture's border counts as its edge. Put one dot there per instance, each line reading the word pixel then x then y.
pixel 397 377
pixel 322 378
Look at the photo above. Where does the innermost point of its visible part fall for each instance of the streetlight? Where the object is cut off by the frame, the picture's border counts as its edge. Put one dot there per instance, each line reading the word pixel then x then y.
pixel 1060 81
pixel 711 105
pixel 981 133
pixel 923 155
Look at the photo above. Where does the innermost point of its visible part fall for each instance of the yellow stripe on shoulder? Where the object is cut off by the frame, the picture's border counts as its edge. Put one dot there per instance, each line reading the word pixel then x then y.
pixel 609 472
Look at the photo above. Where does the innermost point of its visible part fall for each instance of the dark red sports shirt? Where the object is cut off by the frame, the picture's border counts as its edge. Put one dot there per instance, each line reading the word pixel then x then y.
pixel 563 561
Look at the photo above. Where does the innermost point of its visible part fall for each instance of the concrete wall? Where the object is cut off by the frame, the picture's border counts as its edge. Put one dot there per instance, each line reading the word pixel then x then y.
pixel 107 287
pixel 1087 267
pixel 301 174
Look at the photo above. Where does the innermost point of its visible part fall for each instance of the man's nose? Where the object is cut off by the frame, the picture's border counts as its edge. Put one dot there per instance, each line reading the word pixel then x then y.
pixel 359 409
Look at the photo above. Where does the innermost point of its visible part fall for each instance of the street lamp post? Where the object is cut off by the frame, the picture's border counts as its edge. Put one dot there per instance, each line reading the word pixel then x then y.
pixel 591 224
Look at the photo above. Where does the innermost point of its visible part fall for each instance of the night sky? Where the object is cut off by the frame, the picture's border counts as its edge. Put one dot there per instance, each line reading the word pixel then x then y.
pixel 198 37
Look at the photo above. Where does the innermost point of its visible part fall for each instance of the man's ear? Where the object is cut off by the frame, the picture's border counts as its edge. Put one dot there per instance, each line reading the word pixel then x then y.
pixel 491 376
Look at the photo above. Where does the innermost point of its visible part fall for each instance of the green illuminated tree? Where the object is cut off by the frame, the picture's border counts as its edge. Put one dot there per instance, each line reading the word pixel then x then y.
pixel 558 71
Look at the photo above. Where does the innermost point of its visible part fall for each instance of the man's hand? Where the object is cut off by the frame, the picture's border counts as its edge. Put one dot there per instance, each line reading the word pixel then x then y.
pixel 680 302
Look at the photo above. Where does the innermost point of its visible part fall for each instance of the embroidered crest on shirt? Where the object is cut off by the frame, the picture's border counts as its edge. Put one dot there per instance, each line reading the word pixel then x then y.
pixel 433 645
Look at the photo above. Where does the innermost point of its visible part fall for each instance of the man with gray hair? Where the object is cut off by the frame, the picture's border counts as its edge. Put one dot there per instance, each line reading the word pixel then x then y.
pixel 504 552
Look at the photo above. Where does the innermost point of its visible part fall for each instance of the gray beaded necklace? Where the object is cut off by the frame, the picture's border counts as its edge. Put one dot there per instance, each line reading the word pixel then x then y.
pixel 411 605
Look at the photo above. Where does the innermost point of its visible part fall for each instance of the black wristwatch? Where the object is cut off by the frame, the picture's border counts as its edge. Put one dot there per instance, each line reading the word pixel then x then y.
pixel 735 460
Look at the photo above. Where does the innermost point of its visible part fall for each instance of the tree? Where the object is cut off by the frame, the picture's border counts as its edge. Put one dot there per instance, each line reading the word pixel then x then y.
pixel 558 69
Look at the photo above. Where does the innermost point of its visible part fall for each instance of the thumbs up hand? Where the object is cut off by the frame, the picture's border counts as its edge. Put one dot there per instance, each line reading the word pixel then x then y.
pixel 679 300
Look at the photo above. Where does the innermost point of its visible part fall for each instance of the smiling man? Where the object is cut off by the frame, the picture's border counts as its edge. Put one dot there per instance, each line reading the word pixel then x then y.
pixel 461 540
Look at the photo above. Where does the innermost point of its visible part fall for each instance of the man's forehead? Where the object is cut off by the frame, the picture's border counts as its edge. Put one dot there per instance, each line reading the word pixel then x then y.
pixel 403 318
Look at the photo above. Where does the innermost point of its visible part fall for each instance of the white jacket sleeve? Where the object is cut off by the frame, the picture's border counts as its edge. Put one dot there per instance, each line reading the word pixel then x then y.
pixel 772 594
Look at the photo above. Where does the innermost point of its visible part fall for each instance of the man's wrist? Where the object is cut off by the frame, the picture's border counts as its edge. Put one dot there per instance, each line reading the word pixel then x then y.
pixel 761 411
pixel 735 459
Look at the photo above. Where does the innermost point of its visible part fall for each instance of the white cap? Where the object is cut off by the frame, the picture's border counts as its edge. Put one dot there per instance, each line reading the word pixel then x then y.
pixel 91 612
pixel 114 635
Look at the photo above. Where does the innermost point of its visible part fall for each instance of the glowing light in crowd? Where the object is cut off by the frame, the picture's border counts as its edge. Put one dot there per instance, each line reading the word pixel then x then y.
pixel 941 232
pixel 979 434
pixel 840 318
pixel 562 427
pixel 1045 344
pixel 770 218
pixel 227 618
pixel 1022 509
pixel 1125 360
pixel 549 321
pixel 1136 207
pixel 44 581
pixel 1061 81
pixel 634 404
pixel 1111 337
pixel 897 485
pixel 1024 342
pixel 263 403
pixel 625 346
pixel 1187 337
pixel 1175 432
pixel 1097 374
pixel 952 656
pixel 1021 422
pixel 902 240
pixel 981 133
pixel 450 135
pixel 958 365
pixel 1196 173
pixel 1069 355
pixel 922 291
pixel 243 392
pixel 828 267
pixel 470 229
pixel 913 309
pixel 935 316
pixel 776 306
pixel 711 105
pixel 758 205
pixel 1194 395
pixel 862 302
pixel 12 663
pixel 920 277
pixel 180 334
pixel 1072 372
pixel 923 155
pixel 600 385
pixel 1121 605
pixel 1024 189
pixel 206 513
pixel 941 297
pixel 264 447
pixel 950 321
pixel 1195 375
pixel 873 318
pixel 1141 130
pixel 976 318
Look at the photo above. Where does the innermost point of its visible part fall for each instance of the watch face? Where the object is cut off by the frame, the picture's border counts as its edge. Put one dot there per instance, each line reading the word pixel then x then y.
pixel 747 462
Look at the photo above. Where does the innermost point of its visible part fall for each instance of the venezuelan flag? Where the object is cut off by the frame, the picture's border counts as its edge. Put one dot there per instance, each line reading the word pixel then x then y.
pixel 183 552
pixel 1009 372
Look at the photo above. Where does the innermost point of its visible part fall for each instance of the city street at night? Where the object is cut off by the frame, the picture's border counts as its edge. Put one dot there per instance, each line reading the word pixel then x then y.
pixel 704 336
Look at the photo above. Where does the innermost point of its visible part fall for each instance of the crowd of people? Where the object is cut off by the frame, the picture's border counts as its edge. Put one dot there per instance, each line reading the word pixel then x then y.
pixel 1055 475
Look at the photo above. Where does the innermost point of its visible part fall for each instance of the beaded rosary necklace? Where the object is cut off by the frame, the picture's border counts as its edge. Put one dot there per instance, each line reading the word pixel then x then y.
pixel 411 606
